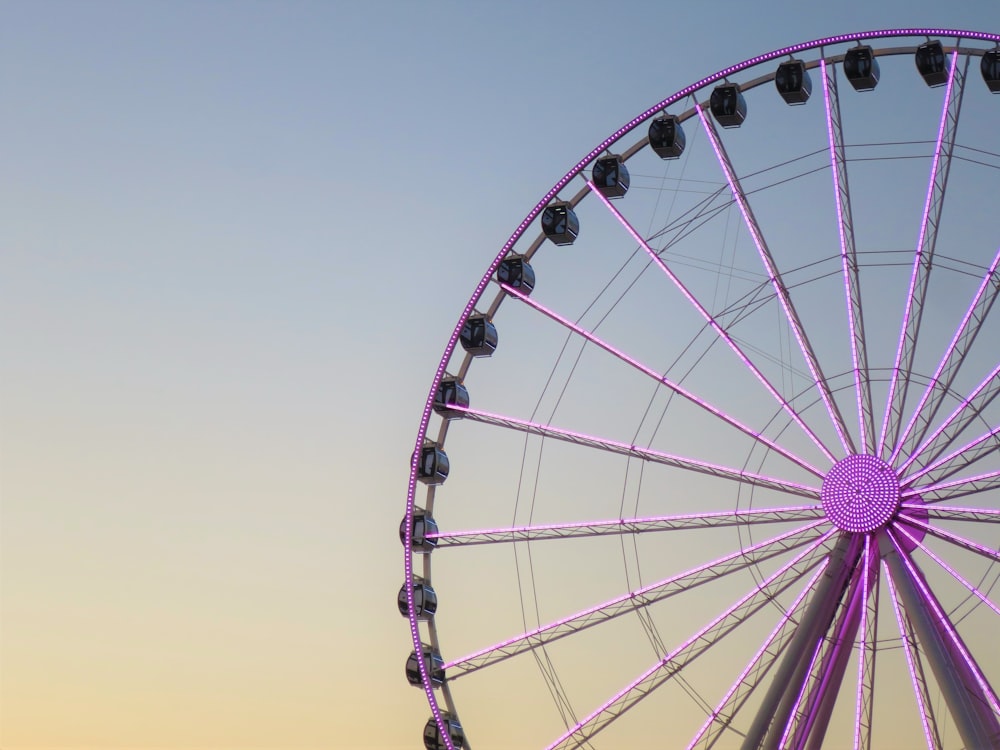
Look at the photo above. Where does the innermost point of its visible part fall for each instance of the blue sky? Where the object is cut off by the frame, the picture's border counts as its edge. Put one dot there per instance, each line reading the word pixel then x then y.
pixel 236 236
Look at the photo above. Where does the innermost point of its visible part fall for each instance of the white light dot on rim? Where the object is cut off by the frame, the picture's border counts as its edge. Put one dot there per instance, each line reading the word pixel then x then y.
pixel 860 493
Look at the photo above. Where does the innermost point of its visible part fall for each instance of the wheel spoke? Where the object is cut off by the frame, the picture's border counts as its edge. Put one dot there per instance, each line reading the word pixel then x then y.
pixel 641 597
pixel 901 529
pixel 961 417
pixel 948 536
pixel 675 387
pixel 628 526
pixel 754 672
pixel 947 513
pixel 680 657
pixel 774 276
pixel 957 488
pixel 899 380
pixel 634 451
pixel 865 704
pixel 959 459
pixel 714 324
pixel 917 678
pixel 849 258
pixel 952 360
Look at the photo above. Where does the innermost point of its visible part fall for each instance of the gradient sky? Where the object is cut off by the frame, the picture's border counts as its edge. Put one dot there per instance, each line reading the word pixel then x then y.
pixel 234 238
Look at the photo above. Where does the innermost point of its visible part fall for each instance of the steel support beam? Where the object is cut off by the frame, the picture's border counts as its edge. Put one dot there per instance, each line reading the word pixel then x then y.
pixel 969 706
pixel 775 710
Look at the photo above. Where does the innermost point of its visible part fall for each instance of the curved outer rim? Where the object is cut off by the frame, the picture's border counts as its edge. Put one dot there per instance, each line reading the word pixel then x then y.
pixel 529 219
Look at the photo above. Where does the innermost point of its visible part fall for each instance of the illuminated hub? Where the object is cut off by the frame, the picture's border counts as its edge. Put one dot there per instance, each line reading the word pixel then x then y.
pixel 860 493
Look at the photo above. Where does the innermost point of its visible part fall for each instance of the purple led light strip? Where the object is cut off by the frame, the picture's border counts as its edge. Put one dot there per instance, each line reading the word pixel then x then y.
pixel 970 446
pixel 634 451
pixel 712 323
pixel 773 275
pixel 948 536
pixel 945 623
pixel 533 214
pixel 970 587
pixel 648 594
pixel 922 259
pixel 955 513
pixel 675 387
pixel 959 332
pixel 849 264
pixel 755 660
pixel 865 647
pixel 634 687
pixel 987 481
pixel 965 404
pixel 629 525
pixel 910 656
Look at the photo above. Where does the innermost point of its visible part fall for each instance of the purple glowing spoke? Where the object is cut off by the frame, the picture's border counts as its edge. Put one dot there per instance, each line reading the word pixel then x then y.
pixel 634 451
pixel 922 260
pixel 964 457
pixel 909 649
pixel 801 698
pixel 578 529
pixel 641 597
pixel 952 513
pixel 849 258
pixel 744 685
pixel 945 622
pixel 774 276
pixel 703 640
pixel 956 488
pixel 713 323
pixel 675 387
pixel 954 355
pixel 948 536
pixel 867 649
pixel 970 587
pixel 960 418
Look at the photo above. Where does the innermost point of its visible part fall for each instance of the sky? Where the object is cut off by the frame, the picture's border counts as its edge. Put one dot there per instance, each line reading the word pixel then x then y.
pixel 234 240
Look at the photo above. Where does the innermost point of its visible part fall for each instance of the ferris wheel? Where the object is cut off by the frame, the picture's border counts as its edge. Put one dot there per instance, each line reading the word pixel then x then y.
pixel 712 456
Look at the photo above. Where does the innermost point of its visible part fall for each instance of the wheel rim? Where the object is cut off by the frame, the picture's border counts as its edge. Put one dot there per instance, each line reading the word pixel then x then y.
pixel 864 411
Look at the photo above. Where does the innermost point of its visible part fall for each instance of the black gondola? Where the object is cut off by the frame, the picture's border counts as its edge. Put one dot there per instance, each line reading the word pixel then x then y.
pixel 931 63
pixel 560 224
pixel 424 600
pixel 793 82
pixel 479 336
pixel 433 468
pixel 728 105
pixel 422 541
pixel 990 68
pixel 610 176
pixel 666 137
pixel 861 68
pixel 450 392
pixel 516 272
pixel 432 733
pixel 433 663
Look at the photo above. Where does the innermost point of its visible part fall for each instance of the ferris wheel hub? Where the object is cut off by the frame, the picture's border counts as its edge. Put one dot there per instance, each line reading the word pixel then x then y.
pixel 860 493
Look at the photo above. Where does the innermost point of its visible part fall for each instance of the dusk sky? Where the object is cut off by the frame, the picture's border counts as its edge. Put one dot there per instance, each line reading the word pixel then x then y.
pixel 234 240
